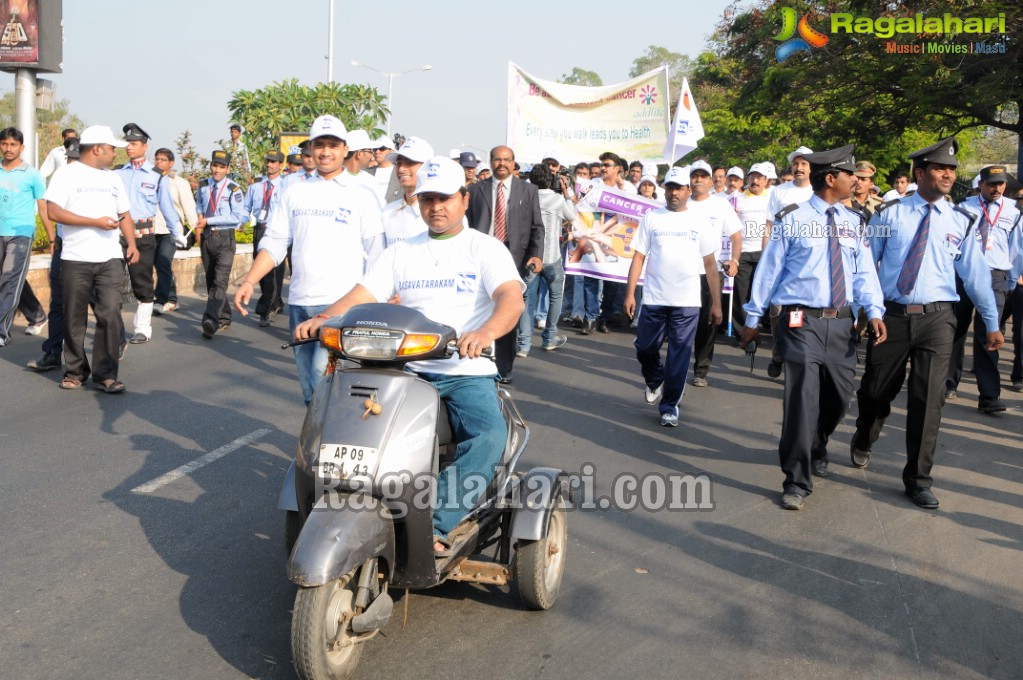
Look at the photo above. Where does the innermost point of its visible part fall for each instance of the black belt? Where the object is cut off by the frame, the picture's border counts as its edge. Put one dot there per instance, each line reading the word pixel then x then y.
pixel 821 312
pixel 913 310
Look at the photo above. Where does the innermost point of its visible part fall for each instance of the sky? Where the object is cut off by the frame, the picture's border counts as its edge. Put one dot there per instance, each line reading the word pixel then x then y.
pixel 171 65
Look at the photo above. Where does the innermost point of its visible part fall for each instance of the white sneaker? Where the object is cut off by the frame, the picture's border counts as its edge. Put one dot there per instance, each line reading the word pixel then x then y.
pixel 36 328
pixel 654 396
pixel 541 323
pixel 522 354
pixel 169 307
pixel 669 420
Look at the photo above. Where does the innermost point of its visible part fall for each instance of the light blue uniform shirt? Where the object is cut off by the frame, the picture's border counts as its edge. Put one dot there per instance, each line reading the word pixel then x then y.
pixel 230 209
pixel 949 251
pixel 795 267
pixel 147 194
pixel 297 176
pixel 1004 243
pixel 254 199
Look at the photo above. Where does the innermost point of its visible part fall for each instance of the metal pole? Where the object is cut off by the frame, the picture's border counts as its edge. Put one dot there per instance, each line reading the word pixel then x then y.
pixel 330 41
pixel 390 103
pixel 25 111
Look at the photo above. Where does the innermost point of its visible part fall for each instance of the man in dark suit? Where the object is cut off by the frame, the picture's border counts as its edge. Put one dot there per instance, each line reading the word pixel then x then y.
pixel 509 210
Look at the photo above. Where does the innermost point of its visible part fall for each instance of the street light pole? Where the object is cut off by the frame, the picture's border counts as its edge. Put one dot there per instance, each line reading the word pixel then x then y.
pixel 390 85
pixel 330 41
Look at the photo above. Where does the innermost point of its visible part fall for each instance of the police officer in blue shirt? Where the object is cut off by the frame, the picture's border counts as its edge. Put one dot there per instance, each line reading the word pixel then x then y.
pixel 221 206
pixel 147 194
pixel 920 243
pixel 816 266
pixel 260 200
pixel 998 232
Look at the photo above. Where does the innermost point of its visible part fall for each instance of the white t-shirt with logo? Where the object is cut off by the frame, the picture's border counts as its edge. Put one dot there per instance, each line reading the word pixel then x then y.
pixel 787 194
pixel 674 244
pixel 752 212
pixel 402 221
pixel 327 226
pixel 450 281
pixel 89 192
pixel 718 216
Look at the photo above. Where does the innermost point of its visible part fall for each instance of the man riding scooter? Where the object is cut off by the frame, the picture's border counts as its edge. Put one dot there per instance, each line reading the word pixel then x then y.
pixel 467 280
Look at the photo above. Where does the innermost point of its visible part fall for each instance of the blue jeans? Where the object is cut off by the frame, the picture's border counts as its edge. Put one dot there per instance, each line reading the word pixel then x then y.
pixel 166 288
pixel 15 252
pixel 480 432
pixel 310 358
pixel 589 301
pixel 554 275
pixel 678 324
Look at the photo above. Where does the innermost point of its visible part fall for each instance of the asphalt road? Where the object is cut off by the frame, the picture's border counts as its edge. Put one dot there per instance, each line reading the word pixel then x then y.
pixel 187 580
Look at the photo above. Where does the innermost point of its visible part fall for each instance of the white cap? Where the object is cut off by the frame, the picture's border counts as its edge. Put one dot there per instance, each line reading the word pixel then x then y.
pixel 912 187
pixel 383 143
pixel 358 140
pixel 801 151
pixel 647 178
pixel 680 176
pixel 454 154
pixel 328 126
pixel 698 165
pixel 735 171
pixel 100 134
pixel 650 170
pixel 414 149
pixel 481 167
pixel 976 184
pixel 439 175
pixel 771 172
pixel 764 169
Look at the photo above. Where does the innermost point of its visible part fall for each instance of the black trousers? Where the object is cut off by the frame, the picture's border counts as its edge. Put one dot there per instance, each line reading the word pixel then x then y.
pixel 741 285
pixel 820 366
pixel 271 285
pixel 706 334
pixel 925 342
pixel 613 300
pixel 166 286
pixel 985 363
pixel 99 282
pixel 141 273
pixel 1015 304
pixel 217 250
pixel 54 342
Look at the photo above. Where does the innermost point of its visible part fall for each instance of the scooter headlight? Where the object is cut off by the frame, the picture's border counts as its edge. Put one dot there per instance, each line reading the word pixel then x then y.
pixel 370 343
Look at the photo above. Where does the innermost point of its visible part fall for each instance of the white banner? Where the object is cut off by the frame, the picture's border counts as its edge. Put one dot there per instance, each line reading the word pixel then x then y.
pixel 575 123
pixel 687 128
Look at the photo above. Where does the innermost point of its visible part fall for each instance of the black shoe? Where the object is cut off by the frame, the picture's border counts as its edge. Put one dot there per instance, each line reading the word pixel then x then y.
pixel 792 501
pixel 208 328
pixel 991 406
pixel 587 327
pixel 47 363
pixel 505 380
pixel 139 339
pixel 264 321
pixel 1017 386
pixel 923 498
pixel 602 326
pixel 951 395
pixel 819 467
pixel 774 369
pixel 859 457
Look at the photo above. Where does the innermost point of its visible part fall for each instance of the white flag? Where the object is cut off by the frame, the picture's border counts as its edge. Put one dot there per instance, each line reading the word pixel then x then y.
pixel 686 129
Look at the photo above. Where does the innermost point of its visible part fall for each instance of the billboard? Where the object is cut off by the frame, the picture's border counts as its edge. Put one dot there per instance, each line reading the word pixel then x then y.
pixel 32 35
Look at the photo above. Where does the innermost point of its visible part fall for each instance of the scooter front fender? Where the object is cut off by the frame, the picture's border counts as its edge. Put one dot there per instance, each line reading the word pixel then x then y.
pixel 538 491
pixel 335 541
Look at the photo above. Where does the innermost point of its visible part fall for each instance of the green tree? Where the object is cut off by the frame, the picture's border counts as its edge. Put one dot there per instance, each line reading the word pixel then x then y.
pixel 50 123
pixel 580 76
pixel 655 56
pixel 288 106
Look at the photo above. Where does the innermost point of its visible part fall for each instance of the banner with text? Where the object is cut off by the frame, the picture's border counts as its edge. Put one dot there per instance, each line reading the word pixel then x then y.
pixel 575 123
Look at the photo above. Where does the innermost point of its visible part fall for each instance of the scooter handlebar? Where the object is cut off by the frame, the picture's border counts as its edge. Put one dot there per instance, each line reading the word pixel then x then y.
pixel 487 353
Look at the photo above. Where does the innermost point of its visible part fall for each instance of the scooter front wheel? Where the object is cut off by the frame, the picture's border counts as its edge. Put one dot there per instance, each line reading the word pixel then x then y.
pixel 539 565
pixel 323 645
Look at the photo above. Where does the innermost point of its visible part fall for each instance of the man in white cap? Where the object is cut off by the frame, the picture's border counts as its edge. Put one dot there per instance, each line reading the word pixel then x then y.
pixel 384 182
pixel 467 280
pixel 676 249
pixel 751 207
pixel 91 204
pixel 733 181
pixel 333 229
pixel 401 218
pixel 360 159
pixel 796 191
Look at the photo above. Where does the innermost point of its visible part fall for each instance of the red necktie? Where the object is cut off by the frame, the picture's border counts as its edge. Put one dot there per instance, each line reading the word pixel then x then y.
pixel 500 228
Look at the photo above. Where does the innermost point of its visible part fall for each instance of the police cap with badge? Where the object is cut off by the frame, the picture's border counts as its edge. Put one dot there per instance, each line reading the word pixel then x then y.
pixel 993 174
pixel 221 157
pixel 942 153
pixel 133 133
pixel 275 156
pixel 840 159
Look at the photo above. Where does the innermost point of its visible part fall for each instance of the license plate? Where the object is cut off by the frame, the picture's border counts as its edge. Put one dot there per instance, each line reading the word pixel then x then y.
pixel 339 462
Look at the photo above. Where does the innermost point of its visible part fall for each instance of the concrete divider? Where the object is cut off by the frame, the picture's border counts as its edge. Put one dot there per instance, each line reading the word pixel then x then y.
pixel 188 272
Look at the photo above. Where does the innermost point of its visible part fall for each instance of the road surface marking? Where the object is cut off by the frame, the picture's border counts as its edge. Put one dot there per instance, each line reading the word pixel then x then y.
pixel 200 462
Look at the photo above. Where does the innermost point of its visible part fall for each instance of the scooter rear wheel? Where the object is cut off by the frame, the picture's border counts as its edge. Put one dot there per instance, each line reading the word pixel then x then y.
pixel 321 618
pixel 539 565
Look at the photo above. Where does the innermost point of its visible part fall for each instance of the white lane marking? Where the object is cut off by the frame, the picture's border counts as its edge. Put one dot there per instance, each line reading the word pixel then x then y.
pixel 200 462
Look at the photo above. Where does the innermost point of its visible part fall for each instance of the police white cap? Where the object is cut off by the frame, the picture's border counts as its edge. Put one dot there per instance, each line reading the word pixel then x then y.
pixel 441 176
pixel 414 149
pixel 328 126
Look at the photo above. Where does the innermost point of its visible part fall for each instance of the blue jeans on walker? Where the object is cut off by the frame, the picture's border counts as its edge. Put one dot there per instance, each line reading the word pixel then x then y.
pixel 554 275
pixel 310 358
pixel 480 432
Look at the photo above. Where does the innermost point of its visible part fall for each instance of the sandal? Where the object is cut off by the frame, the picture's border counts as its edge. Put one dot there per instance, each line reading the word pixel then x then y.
pixel 111 386
pixel 67 383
